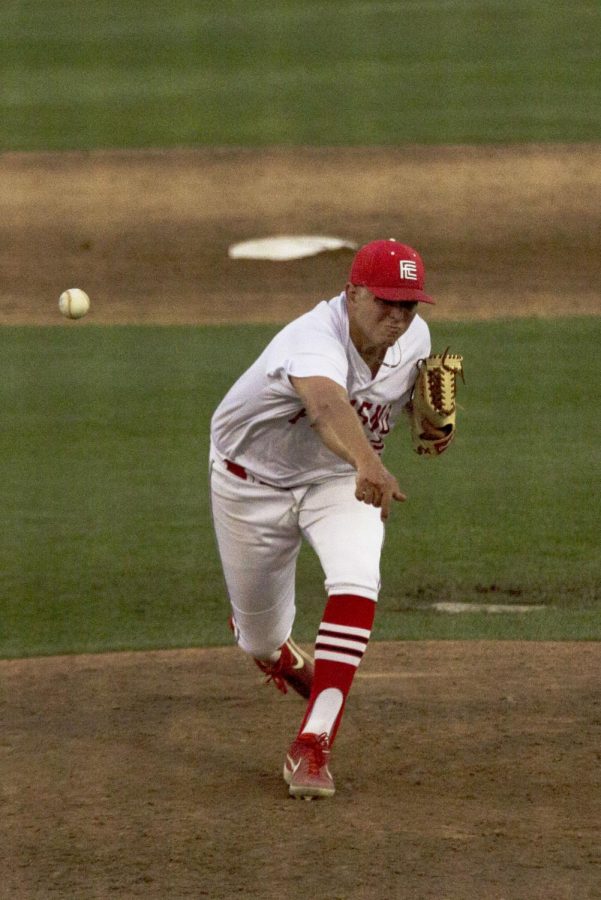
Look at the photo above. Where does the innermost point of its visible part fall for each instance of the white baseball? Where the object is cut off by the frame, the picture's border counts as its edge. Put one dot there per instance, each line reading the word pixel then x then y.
pixel 74 303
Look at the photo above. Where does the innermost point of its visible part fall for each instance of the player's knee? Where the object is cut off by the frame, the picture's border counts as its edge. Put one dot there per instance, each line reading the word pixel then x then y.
pixel 261 640
pixel 367 586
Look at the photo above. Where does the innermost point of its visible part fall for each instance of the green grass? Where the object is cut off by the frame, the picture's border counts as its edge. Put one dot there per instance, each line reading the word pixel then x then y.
pixel 136 74
pixel 106 535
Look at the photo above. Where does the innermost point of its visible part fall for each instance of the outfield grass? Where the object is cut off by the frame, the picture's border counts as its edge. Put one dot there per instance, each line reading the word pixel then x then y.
pixel 129 73
pixel 107 541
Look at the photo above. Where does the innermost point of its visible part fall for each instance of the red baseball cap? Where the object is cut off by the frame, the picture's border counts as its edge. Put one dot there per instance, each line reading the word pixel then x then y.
pixel 391 271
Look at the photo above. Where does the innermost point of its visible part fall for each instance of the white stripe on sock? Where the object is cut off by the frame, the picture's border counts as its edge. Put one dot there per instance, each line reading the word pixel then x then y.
pixel 340 642
pixel 337 657
pixel 346 629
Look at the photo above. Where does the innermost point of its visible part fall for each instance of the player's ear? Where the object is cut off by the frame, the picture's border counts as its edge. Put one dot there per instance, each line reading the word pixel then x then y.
pixel 351 291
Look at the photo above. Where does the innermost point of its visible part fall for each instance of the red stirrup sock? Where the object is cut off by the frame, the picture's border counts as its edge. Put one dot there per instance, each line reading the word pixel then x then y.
pixel 341 642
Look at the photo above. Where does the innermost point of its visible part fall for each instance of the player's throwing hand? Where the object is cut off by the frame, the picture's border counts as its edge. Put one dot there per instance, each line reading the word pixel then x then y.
pixel 376 486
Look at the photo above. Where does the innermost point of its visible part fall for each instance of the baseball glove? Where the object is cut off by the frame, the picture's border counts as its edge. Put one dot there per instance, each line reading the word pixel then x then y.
pixel 433 409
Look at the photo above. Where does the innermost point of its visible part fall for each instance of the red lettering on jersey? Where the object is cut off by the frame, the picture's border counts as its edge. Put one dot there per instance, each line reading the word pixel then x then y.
pixel 376 418
pixel 380 421
pixel 362 410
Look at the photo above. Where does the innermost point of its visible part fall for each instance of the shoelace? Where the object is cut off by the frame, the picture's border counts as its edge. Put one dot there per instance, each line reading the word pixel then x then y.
pixel 319 748
pixel 273 673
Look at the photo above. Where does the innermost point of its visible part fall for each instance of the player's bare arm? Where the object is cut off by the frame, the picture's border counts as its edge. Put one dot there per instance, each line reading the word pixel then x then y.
pixel 338 426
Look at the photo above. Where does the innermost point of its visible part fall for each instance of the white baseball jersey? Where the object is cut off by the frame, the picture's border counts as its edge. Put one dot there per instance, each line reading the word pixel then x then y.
pixel 261 424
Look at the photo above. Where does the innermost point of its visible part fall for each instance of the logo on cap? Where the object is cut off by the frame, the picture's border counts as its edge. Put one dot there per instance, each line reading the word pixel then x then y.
pixel 390 271
pixel 408 270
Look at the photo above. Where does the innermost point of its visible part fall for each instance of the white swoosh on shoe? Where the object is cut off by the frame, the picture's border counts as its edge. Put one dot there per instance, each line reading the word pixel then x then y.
pixel 293 766
pixel 299 659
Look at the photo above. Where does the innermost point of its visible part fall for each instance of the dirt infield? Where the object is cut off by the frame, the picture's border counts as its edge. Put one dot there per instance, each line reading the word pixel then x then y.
pixel 464 770
pixel 503 231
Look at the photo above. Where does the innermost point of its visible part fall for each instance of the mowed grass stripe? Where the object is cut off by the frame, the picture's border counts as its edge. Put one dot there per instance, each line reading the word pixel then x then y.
pixel 134 74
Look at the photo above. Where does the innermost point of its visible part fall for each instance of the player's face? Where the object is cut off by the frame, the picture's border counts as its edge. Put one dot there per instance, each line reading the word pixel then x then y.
pixel 375 322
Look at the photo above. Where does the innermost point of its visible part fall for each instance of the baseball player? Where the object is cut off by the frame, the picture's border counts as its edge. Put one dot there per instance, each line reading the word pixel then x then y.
pixel 296 449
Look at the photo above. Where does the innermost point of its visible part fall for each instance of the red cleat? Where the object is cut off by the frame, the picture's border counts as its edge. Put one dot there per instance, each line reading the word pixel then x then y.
pixel 294 668
pixel 306 769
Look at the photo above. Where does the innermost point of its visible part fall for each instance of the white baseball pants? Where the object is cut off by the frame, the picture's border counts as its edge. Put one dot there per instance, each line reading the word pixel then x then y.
pixel 259 531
